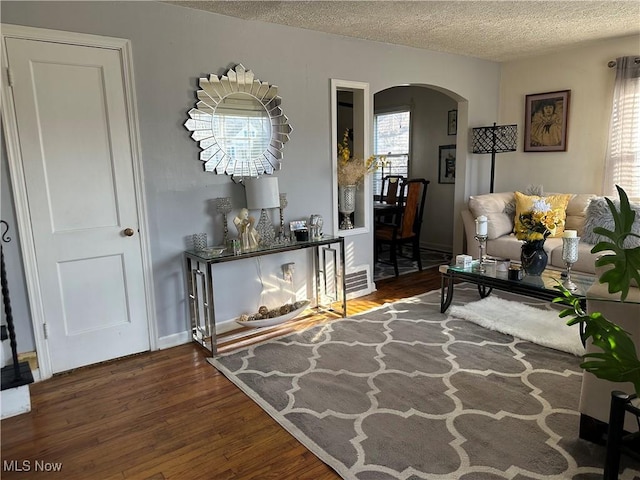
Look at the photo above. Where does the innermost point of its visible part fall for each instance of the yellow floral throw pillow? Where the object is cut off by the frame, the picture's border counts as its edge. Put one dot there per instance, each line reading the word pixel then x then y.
pixel 537 221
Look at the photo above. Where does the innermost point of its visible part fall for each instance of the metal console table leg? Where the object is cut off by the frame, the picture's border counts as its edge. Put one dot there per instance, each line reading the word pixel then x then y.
pixel 200 291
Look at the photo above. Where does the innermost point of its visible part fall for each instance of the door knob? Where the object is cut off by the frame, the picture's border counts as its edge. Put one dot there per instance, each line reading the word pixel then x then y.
pixel 129 232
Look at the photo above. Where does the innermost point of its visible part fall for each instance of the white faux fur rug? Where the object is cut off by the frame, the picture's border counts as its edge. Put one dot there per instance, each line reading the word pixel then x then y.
pixel 543 327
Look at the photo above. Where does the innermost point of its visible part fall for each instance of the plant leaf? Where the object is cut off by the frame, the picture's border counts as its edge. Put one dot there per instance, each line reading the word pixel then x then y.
pixel 618 360
pixel 625 262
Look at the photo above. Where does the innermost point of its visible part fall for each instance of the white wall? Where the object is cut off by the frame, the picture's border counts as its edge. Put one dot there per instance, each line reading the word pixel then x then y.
pixel 584 71
pixel 172 47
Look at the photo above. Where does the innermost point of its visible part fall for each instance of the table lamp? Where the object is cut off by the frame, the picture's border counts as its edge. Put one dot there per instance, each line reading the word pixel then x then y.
pixel 262 193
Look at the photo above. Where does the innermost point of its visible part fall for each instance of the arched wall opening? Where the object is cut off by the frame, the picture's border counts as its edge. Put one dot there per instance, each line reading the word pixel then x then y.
pixel 432 109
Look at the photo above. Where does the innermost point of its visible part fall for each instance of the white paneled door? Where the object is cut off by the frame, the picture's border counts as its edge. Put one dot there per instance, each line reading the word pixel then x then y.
pixel 76 151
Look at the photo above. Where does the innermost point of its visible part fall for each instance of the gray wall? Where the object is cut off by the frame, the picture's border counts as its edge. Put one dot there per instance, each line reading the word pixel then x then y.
pixel 172 47
pixel 13 263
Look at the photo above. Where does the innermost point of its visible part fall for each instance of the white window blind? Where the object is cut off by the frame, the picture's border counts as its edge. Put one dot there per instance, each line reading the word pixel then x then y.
pixel 391 139
pixel 622 163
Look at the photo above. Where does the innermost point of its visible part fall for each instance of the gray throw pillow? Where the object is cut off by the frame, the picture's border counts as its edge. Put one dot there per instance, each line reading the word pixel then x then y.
pixel 510 208
pixel 598 215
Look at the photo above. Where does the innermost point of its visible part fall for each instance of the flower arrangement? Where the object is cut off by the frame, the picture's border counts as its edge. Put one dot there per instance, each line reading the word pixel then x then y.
pixel 352 170
pixel 538 223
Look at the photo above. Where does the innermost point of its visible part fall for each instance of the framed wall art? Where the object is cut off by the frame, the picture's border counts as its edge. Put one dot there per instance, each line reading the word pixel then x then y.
pixel 545 122
pixel 447 164
pixel 452 122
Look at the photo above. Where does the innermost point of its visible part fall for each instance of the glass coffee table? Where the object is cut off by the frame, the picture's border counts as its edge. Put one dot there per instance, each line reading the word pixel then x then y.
pixel 540 287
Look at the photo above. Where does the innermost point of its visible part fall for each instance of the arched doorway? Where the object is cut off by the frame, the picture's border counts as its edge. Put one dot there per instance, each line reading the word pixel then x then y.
pixel 431 140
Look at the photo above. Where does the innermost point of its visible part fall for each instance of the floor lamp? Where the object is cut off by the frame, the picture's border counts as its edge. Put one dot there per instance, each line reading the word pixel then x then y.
pixel 495 139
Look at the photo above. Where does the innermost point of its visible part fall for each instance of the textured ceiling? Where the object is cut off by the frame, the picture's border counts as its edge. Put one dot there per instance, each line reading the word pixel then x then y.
pixel 492 30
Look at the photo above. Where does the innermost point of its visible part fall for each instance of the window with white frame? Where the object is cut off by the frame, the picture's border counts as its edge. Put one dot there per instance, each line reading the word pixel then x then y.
pixel 622 164
pixel 391 140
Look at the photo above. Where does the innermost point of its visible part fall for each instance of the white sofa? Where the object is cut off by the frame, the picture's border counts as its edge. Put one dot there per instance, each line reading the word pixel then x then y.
pixel 503 243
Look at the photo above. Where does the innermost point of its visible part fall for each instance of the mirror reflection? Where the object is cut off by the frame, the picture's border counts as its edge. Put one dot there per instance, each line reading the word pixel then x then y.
pixel 239 125
pixel 242 126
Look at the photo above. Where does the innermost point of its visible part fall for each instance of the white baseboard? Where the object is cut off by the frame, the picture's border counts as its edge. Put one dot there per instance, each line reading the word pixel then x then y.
pixel 173 340
pixel 182 338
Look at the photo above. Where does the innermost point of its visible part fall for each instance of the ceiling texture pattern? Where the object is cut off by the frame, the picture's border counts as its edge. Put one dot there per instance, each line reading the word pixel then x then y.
pixel 491 30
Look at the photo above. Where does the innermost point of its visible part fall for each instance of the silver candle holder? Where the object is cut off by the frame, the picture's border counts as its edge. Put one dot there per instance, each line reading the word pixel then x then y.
pixel 482 244
pixel 570 256
pixel 223 205
pixel 481 236
pixel 282 237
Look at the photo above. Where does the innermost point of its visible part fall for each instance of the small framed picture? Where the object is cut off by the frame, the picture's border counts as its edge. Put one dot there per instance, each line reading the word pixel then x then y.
pixel 447 164
pixel 297 225
pixel 452 122
pixel 545 122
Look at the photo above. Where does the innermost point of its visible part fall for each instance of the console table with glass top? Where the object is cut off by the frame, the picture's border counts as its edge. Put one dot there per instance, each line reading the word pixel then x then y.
pixel 541 287
pixel 328 268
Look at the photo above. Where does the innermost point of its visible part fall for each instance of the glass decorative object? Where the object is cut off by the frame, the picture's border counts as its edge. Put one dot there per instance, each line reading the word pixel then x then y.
pixel 315 226
pixel 570 256
pixel 223 204
pixel 265 229
pixel 346 205
pixel 199 241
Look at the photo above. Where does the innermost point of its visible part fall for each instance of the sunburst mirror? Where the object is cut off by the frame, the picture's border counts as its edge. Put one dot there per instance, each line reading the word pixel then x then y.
pixel 239 125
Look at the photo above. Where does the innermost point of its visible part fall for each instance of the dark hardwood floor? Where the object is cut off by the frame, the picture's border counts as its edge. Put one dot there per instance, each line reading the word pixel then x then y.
pixel 165 415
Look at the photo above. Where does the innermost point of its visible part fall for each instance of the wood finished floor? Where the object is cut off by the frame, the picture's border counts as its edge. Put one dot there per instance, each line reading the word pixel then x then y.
pixel 166 415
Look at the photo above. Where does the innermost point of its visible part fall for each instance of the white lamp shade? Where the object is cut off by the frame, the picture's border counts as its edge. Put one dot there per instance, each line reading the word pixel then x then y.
pixel 262 192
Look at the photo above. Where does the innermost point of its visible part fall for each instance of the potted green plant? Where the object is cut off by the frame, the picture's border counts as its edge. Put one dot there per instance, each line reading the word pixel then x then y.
pixel 618 359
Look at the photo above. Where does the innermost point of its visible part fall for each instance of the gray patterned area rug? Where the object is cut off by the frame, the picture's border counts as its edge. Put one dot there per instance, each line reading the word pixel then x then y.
pixel 405 392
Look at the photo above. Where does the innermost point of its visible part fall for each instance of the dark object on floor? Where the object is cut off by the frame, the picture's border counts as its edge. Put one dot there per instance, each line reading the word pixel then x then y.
pixel 618 442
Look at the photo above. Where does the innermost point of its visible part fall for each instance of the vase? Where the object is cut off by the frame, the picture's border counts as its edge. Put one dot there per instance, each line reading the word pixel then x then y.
pixel 346 205
pixel 533 257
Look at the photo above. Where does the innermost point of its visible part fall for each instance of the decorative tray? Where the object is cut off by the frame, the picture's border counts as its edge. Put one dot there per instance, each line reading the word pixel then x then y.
pixel 246 321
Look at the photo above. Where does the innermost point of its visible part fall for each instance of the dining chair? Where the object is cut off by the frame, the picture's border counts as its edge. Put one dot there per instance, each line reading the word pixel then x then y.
pixel 389 195
pixel 390 187
pixel 406 225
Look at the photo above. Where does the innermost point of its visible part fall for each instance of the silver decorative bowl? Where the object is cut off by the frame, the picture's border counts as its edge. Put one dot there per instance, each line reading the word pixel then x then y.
pixel 214 251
